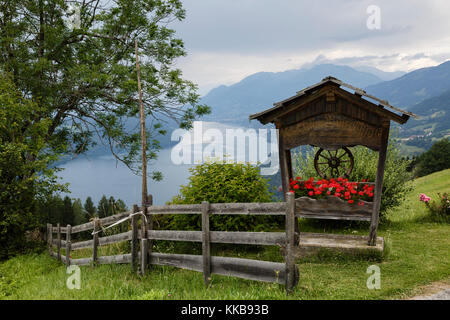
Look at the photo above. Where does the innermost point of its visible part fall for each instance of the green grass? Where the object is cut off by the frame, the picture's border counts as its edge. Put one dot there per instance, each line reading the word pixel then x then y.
pixel 418 254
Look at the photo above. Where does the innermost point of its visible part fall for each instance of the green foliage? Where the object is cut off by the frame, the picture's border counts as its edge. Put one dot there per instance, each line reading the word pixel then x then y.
pixel 90 208
pixel 222 182
pixel 439 209
pixel 25 173
pixel 83 78
pixel 437 158
pixel 396 176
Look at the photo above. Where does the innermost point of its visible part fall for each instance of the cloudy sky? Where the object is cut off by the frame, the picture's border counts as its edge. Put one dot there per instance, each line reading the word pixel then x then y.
pixel 228 40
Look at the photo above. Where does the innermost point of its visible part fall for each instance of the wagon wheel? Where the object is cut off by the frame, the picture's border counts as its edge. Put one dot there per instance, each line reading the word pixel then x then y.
pixel 333 163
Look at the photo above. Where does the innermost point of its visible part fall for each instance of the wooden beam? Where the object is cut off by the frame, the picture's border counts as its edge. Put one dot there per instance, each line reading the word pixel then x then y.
pixel 290 242
pixel 95 242
pixel 378 186
pixel 68 244
pixel 134 239
pixel 206 243
pixel 283 164
pixel 58 252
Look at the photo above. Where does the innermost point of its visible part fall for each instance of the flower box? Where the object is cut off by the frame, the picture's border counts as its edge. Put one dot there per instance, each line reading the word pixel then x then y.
pixel 334 208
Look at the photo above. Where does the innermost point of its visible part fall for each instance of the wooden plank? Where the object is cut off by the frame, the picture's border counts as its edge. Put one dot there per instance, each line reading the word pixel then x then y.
pixel 121 258
pixel 255 208
pixel 232 237
pixel 378 186
pixel 269 208
pixel 82 244
pixel 175 209
pixel 283 163
pixel 134 239
pixel 81 262
pixel 242 268
pixel 311 243
pixel 144 256
pixel 125 236
pixel 148 222
pixel 63 259
pixel 332 208
pixel 50 238
pixel 58 245
pixel 83 227
pixel 206 244
pixel 290 242
pixel 55 243
pixel 68 244
pixel 95 242
pixel 112 219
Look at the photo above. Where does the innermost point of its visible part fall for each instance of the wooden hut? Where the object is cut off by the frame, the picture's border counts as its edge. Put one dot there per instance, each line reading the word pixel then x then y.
pixel 333 115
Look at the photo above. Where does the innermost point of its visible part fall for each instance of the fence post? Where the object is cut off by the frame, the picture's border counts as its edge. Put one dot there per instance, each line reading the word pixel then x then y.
pixel 146 244
pixel 68 243
pixel 58 226
pixel 134 239
pixel 50 238
pixel 206 246
pixel 290 241
pixel 95 242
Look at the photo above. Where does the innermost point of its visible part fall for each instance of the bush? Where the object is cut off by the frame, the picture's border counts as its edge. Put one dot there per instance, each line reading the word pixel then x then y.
pixel 221 182
pixel 435 159
pixel 395 182
pixel 439 210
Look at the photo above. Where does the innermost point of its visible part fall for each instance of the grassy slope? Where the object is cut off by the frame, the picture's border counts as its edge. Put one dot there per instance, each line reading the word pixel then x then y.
pixel 419 253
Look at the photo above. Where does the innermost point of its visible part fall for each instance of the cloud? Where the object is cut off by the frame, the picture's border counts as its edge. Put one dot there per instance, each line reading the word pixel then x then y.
pixel 227 40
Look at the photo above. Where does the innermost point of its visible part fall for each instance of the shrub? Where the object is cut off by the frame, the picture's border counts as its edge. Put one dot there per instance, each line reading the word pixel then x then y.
pixel 396 176
pixel 439 209
pixel 435 159
pixel 221 182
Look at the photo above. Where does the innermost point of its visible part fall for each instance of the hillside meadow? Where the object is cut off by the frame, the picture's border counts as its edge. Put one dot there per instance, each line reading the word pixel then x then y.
pixel 417 253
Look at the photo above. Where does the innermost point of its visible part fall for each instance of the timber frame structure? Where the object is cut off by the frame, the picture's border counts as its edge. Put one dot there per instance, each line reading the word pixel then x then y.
pixel 328 116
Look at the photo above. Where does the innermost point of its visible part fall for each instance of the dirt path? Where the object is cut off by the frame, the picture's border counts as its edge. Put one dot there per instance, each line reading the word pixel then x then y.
pixel 435 291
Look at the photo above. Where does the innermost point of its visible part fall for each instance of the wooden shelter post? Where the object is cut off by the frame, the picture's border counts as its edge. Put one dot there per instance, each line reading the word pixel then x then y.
pixel 379 186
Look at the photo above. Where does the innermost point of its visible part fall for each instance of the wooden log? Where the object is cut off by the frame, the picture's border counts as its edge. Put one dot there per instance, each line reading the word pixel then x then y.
pixel 62 229
pixel 63 259
pixel 81 262
pixel 232 237
pixel 379 185
pixel 206 245
pixel 268 208
pixel 112 219
pixel 283 163
pixel 68 244
pixel 55 243
pixel 290 242
pixel 121 258
pixel 134 239
pixel 125 236
pixel 83 227
pixel 82 245
pixel 102 241
pixel 242 268
pixel 95 242
pixel 58 245
pixel 175 209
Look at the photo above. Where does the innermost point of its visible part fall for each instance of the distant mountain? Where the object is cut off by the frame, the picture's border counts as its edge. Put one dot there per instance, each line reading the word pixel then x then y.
pixel 259 91
pixel 383 75
pixel 434 117
pixel 413 87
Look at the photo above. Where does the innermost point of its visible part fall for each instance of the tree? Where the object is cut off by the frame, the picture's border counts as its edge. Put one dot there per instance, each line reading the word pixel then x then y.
pixel 79 215
pixel 103 208
pixel 89 207
pixel 23 183
pixel 81 76
pixel 437 158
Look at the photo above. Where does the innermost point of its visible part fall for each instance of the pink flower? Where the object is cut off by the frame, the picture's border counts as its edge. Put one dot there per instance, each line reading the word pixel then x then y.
pixel 423 197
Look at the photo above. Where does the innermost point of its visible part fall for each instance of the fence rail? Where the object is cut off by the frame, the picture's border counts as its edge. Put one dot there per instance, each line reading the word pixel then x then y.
pixel 283 273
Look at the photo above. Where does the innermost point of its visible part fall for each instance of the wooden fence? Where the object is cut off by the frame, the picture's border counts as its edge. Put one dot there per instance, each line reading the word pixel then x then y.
pixel 282 273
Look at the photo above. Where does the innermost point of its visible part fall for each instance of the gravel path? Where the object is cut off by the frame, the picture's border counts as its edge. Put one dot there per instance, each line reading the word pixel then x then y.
pixel 435 291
